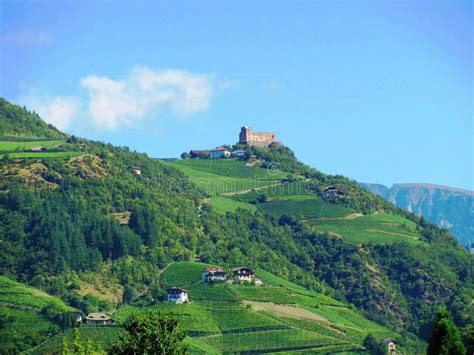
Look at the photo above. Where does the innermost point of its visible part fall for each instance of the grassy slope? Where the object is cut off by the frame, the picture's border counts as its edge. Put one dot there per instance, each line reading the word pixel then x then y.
pixel 235 179
pixel 380 228
pixel 14 150
pixel 25 304
pixel 12 146
pixel 218 321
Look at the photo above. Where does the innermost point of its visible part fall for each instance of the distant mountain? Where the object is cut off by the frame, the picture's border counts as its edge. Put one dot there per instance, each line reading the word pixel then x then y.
pixel 448 207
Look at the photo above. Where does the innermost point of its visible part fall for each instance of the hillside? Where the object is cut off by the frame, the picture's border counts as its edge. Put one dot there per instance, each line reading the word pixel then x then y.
pixel 278 316
pixel 17 122
pixel 30 314
pixel 95 228
pixel 444 206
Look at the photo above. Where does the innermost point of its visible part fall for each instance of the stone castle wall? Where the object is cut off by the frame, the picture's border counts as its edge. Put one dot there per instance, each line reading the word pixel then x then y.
pixel 261 139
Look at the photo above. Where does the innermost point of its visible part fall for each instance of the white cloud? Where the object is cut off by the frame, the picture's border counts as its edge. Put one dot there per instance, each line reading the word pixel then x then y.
pixel 27 37
pixel 60 111
pixel 144 92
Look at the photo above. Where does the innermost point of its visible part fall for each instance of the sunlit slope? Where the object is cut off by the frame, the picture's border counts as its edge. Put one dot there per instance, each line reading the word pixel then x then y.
pixel 233 184
pixel 278 316
pixel 28 311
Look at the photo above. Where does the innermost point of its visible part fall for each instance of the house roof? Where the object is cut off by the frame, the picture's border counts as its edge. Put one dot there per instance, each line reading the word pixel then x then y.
pixel 176 290
pixel 220 149
pixel 40 147
pixel 98 316
pixel 244 268
pixel 214 269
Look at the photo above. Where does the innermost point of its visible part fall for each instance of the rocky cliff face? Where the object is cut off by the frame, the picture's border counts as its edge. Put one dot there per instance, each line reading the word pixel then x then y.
pixel 448 207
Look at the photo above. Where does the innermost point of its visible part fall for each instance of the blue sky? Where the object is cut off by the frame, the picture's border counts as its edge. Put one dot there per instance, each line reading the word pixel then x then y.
pixel 379 91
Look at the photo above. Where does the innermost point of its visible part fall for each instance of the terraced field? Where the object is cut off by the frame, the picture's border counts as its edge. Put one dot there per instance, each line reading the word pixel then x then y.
pixel 302 207
pixel 226 175
pixel 276 317
pixel 25 306
pixel 19 150
pixel 9 146
pixel 379 228
pixel 43 155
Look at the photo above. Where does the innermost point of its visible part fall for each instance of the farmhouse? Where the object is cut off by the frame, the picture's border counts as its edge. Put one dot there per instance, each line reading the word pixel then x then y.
pixel 38 149
pixel 260 139
pixel 332 192
pixel 177 295
pixel 219 153
pixel 243 274
pixel 98 319
pixel 213 274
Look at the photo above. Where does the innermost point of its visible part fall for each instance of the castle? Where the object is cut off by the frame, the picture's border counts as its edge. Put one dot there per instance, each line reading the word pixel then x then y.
pixel 260 139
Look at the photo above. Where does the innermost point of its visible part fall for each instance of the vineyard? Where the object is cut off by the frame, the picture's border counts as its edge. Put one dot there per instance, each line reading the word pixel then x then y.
pixel 225 317
pixel 27 311
pixel 378 228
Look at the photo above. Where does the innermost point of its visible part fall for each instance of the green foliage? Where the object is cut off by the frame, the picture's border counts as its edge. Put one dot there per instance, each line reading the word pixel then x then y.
pixel 28 315
pixel 374 346
pixel 17 121
pixel 151 333
pixel 445 337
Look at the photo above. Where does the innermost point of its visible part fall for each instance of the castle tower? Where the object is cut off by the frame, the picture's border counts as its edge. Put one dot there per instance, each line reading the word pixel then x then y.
pixel 245 135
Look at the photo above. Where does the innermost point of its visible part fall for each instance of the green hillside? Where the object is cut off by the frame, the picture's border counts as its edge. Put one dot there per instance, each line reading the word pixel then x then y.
pixel 277 316
pixel 18 122
pixel 93 232
pixel 30 314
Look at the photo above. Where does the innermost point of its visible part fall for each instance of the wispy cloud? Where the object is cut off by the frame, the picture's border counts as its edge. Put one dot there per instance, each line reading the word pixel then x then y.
pixel 26 37
pixel 146 92
pixel 60 111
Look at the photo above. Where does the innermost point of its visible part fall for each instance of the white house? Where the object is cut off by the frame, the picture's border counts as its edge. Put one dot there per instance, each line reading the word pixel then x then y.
pixel 213 274
pixel 177 295
pixel 243 274
pixel 219 152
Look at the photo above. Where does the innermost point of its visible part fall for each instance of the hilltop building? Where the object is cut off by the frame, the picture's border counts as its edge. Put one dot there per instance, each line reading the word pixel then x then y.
pixel 219 152
pixel 260 139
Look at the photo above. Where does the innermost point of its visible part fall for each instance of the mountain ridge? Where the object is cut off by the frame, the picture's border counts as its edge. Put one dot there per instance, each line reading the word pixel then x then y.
pixel 448 207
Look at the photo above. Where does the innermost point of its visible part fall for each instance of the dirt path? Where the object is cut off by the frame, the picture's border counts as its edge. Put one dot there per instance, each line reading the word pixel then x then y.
pixel 349 216
pixel 241 192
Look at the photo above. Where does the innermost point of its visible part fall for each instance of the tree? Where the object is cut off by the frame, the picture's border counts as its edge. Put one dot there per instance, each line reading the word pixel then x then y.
pixel 64 346
pixel 185 155
pixel 150 333
pixel 445 337
pixel 373 346
pixel 77 346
